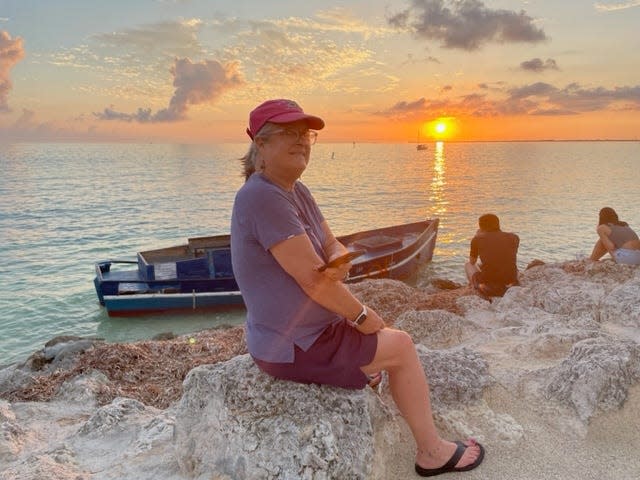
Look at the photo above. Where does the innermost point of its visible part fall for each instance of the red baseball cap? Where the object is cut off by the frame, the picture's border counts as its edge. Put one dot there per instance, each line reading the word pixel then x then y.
pixel 280 111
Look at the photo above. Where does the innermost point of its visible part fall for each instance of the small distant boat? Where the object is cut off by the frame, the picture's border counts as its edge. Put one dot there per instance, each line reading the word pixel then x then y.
pixel 198 275
pixel 420 146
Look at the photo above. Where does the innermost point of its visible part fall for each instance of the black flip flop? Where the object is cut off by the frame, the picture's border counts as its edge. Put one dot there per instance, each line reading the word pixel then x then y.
pixel 450 466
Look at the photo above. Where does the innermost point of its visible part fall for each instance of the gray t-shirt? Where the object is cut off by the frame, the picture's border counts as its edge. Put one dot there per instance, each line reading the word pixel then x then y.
pixel 279 313
pixel 621 234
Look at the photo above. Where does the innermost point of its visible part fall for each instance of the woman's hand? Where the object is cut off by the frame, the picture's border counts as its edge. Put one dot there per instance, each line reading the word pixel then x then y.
pixel 338 273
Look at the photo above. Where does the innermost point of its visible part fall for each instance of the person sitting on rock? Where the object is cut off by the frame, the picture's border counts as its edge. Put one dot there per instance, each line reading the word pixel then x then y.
pixel 497 251
pixel 303 324
pixel 617 238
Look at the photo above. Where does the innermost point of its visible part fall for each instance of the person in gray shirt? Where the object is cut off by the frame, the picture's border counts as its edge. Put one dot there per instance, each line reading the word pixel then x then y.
pixel 616 238
pixel 303 324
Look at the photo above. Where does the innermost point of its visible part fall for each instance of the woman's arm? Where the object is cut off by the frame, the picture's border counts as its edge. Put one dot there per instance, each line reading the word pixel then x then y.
pixel 604 243
pixel 603 232
pixel 334 249
pixel 298 258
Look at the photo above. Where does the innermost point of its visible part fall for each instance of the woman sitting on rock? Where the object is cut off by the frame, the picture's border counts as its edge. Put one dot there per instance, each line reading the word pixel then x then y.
pixel 617 238
pixel 303 324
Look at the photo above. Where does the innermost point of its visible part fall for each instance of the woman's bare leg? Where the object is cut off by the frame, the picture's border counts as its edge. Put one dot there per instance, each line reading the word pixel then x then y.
pixel 598 251
pixel 397 355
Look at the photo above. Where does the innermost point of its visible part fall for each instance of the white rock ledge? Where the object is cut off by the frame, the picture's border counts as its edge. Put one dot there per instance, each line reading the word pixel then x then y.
pixel 546 377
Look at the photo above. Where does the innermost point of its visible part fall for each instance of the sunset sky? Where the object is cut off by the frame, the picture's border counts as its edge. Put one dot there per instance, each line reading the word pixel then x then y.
pixel 376 71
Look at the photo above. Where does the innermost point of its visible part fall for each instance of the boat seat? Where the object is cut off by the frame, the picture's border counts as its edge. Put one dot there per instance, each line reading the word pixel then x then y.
pixel 220 263
pixel 192 269
pixel 379 242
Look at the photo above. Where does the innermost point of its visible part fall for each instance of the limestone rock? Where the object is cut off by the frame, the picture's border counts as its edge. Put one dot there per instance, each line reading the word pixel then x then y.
pixel 556 358
pixel 457 376
pixel 13 377
pixel 596 375
pixel 61 350
pixel 622 305
pixel 11 434
pixel 436 328
pixel 83 388
pixel 262 428
pixel 133 441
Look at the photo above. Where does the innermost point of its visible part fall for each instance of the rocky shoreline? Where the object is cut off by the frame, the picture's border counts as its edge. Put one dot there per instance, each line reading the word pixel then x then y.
pixel 547 377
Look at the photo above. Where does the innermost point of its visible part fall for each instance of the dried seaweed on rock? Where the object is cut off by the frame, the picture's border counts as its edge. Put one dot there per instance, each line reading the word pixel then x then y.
pixel 149 371
pixel 152 371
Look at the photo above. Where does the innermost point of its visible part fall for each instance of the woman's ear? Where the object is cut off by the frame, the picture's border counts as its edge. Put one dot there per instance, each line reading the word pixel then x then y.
pixel 259 142
pixel 258 159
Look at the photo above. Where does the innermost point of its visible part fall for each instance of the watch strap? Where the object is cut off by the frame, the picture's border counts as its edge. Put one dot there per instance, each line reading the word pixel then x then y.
pixel 362 316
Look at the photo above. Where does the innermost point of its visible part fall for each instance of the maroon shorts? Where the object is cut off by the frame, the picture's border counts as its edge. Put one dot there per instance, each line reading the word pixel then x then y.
pixel 334 359
pixel 489 289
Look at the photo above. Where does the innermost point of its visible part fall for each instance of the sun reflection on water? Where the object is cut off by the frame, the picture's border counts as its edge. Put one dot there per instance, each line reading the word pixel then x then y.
pixel 438 182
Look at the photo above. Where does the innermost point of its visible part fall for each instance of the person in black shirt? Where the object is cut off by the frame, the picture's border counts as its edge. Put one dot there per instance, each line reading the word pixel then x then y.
pixel 497 251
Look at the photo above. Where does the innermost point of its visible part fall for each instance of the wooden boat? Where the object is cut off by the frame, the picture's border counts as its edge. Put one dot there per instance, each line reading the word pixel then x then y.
pixel 198 275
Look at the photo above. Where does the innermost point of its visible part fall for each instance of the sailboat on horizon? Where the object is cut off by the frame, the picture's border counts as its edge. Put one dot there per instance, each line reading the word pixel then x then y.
pixel 420 146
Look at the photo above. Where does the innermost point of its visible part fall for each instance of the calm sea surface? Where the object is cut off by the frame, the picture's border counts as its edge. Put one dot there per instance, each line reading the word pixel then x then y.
pixel 65 206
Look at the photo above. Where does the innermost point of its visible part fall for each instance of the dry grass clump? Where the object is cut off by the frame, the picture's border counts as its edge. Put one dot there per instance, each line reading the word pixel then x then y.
pixel 444 300
pixel 574 267
pixel 152 371
pixel 149 371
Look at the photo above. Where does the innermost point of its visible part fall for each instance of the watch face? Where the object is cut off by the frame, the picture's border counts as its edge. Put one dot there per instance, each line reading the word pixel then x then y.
pixel 361 317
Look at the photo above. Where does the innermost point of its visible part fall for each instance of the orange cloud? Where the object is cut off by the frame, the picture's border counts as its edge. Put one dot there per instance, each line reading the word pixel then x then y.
pixel 195 83
pixel 11 52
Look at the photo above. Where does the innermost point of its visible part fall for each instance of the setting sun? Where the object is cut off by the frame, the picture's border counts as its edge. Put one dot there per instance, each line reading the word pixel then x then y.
pixel 442 128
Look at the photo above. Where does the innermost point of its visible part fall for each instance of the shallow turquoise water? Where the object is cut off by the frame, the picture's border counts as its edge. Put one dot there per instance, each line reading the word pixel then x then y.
pixel 65 206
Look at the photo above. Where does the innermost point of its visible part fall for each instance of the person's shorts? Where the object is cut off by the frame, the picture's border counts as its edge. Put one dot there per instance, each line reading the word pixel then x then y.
pixel 627 256
pixel 334 359
pixel 488 289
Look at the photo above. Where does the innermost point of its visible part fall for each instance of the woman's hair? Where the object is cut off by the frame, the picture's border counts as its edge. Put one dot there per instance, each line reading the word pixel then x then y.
pixel 250 159
pixel 609 215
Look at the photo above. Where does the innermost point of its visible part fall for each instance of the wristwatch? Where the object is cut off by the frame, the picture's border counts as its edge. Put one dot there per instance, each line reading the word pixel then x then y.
pixel 362 316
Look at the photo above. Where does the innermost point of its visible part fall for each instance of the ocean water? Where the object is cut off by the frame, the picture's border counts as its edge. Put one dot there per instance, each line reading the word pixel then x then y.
pixel 65 206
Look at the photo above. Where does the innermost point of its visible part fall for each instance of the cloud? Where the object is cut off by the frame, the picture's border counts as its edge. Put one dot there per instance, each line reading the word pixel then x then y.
pixel 337 20
pixel 537 98
pixel 28 128
pixel 176 38
pixel 403 107
pixel 537 65
pixel 323 53
pixel 11 52
pixel 195 83
pixel 143 115
pixel 532 90
pixel 466 24
pixel 611 7
pixel 580 99
pixel 327 52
